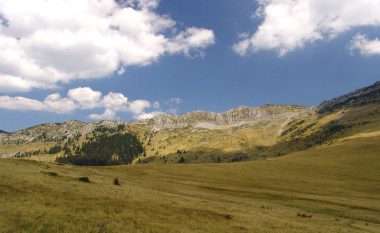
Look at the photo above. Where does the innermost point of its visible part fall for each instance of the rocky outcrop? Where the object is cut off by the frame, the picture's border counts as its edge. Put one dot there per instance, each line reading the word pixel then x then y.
pixel 233 117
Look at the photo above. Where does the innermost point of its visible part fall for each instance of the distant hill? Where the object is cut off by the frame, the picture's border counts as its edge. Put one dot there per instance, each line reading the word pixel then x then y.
pixel 240 134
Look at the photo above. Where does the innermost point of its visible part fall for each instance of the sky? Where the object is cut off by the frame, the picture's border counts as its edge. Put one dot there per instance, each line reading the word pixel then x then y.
pixel 94 60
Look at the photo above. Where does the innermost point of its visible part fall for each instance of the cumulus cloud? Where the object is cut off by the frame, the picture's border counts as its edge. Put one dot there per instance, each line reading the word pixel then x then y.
pixel 85 98
pixel 138 107
pixel 365 46
pixel 55 103
pixel 291 24
pixel 115 101
pixel 192 42
pixel 45 43
pixel 107 115
pixel 21 104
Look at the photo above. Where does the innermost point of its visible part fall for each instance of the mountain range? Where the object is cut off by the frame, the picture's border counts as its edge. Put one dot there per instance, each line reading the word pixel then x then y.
pixel 240 134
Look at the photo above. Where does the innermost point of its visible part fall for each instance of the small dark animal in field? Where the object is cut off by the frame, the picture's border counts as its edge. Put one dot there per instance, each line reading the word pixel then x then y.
pixel 304 215
pixel 116 182
pixel 84 179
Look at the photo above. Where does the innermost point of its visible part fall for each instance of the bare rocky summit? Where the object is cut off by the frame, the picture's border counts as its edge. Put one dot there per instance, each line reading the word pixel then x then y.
pixel 230 118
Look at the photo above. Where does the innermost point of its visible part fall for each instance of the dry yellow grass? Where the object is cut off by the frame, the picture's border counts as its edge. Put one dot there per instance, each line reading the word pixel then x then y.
pixel 337 184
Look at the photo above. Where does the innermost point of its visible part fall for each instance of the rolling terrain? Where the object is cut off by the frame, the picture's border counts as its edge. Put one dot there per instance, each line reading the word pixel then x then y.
pixel 331 188
pixel 241 134
pixel 296 169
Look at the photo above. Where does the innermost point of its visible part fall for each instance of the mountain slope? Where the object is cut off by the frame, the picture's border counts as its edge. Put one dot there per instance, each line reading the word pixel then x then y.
pixel 357 98
pixel 337 186
pixel 240 134
pixel 353 114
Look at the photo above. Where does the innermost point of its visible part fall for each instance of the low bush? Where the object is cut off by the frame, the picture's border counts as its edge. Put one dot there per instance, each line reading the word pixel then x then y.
pixel 84 179
pixel 51 173
pixel 116 182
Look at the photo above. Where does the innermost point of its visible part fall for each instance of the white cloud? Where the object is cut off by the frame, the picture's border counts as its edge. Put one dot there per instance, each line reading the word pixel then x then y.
pixel 45 43
pixel 149 115
pixel 115 101
pixel 85 98
pixel 365 46
pixel 10 83
pixel 107 115
pixel 138 107
pixel 291 24
pixel 54 103
pixel 21 104
pixel 192 42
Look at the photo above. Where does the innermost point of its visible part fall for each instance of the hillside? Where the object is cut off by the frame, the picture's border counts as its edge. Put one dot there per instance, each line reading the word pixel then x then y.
pixel 241 134
pixel 198 133
pixel 324 189
pixel 314 170
pixel 357 98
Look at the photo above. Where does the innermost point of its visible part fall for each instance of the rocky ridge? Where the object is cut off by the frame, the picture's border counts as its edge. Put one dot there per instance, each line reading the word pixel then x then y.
pixel 197 119
pixel 231 118
pixel 363 96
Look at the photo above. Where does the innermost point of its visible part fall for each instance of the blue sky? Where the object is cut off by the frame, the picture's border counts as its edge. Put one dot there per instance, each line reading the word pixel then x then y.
pixel 210 75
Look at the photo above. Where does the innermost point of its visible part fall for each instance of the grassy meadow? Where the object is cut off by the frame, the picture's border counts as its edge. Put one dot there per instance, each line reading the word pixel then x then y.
pixel 333 188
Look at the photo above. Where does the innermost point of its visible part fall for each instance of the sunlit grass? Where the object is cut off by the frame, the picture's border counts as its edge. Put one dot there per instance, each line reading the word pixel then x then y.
pixel 338 185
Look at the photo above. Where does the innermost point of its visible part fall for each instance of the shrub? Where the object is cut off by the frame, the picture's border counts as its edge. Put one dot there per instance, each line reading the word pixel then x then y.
pixel 116 181
pixel 55 149
pixel 51 173
pixel 84 179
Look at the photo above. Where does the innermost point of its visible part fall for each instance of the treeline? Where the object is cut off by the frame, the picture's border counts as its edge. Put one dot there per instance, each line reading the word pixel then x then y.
pixel 53 150
pixel 104 150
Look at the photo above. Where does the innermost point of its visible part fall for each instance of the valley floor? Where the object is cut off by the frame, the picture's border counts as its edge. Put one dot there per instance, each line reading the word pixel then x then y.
pixel 333 189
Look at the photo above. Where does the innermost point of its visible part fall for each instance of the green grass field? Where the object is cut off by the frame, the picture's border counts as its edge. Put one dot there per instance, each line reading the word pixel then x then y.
pixel 338 185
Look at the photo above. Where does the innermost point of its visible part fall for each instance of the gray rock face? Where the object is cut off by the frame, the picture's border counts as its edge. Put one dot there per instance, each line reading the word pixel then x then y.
pixel 233 117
